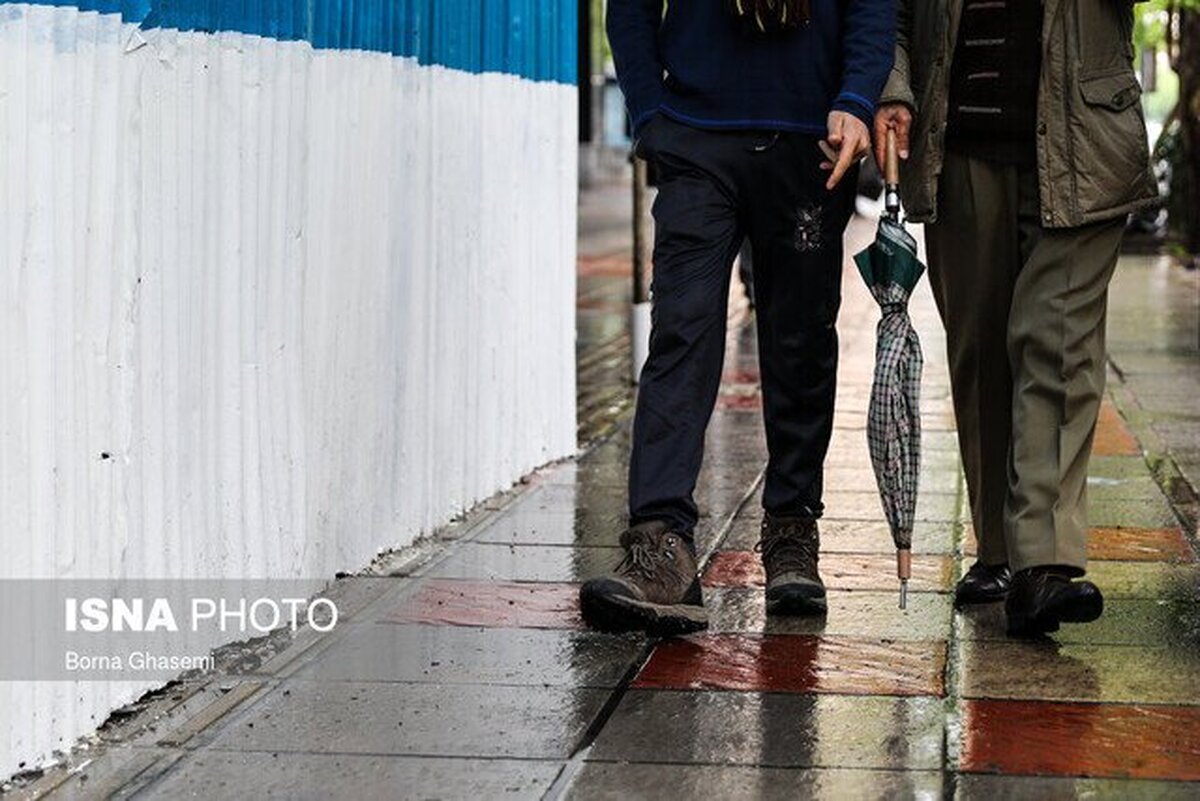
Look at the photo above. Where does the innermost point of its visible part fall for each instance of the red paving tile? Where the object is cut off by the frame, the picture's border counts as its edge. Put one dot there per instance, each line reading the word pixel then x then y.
pixel 740 375
pixel 1139 545
pixel 796 664
pixel 1099 740
pixel 739 397
pixel 1125 545
pixel 495 604
pixel 1113 437
pixel 840 571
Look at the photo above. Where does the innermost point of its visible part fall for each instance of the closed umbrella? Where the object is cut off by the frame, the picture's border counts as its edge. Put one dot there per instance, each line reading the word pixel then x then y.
pixel 891 269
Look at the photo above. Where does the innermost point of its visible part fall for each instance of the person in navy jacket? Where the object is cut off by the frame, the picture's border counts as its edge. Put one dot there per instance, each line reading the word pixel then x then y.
pixel 754 114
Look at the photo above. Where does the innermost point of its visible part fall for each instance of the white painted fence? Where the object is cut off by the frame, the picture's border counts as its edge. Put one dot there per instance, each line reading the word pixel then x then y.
pixel 265 310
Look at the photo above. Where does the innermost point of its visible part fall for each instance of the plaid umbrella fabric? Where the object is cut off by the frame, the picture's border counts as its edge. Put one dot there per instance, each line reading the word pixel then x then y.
pixel 891 269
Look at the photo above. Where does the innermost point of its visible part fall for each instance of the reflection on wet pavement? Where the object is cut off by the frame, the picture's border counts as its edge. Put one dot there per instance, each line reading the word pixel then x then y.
pixel 476 679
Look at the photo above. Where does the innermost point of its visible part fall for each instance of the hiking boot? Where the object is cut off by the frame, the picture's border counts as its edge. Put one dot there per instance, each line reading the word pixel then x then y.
pixel 789 548
pixel 654 589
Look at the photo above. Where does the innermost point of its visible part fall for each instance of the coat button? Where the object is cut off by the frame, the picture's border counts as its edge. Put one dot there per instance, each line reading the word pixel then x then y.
pixel 1042 129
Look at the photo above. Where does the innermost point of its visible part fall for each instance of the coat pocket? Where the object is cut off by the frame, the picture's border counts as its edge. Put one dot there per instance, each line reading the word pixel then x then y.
pixel 1110 147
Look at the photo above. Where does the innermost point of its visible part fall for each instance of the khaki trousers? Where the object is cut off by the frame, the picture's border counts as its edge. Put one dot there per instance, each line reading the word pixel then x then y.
pixel 1024 310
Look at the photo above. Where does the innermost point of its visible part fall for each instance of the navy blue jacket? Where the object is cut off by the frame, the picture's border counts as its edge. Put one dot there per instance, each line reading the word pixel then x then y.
pixel 699 66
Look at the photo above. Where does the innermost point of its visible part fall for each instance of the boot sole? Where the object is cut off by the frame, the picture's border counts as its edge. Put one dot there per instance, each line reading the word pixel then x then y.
pixel 1083 610
pixel 618 613
pixel 796 600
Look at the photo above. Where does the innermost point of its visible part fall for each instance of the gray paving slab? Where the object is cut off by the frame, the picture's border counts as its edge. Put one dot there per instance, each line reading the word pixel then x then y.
pixel 778 730
pixel 600 781
pixel 219 775
pixel 415 719
pixel 1051 671
pixel 420 653
pixel 1152 512
pixel 851 536
pixel 851 613
pixel 526 562
pixel 1166 622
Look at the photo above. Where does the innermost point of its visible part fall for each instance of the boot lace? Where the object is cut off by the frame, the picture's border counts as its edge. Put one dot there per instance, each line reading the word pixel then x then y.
pixel 790 547
pixel 648 559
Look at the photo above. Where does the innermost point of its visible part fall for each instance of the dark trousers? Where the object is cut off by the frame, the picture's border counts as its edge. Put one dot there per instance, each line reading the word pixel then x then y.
pixel 714 189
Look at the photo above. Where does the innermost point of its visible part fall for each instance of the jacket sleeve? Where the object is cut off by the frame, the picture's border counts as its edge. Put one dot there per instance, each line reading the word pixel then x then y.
pixel 898 88
pixel 633 35
pixel 868 48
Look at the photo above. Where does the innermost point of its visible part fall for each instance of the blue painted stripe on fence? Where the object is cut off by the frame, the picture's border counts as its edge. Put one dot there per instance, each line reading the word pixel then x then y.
pixel 534 39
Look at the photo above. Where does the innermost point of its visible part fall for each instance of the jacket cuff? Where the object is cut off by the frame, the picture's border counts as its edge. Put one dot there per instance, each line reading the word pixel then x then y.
pixel 856 104
pixel 897 90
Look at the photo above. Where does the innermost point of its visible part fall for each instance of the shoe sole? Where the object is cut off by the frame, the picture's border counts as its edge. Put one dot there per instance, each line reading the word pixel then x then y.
pixel 796 600
pixel 979 600
pixel 618 613
pixel 1084 610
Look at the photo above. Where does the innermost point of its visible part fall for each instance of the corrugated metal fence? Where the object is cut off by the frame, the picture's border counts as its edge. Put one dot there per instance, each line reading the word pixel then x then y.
pixel 284 283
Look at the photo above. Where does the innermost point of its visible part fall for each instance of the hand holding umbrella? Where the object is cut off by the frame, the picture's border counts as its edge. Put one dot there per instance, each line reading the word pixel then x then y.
pixel 891 269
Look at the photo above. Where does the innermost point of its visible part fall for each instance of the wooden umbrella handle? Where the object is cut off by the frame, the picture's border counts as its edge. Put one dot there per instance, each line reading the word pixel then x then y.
pixel 891 168
pixel 891 179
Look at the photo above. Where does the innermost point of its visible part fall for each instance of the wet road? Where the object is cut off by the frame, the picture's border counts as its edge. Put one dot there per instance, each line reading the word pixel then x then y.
pixel 473 677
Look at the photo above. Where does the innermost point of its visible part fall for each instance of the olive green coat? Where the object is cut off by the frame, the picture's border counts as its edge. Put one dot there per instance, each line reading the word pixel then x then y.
pixel 1093 157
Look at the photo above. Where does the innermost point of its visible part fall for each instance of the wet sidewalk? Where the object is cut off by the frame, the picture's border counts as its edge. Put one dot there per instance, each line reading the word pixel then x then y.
pixel 472 676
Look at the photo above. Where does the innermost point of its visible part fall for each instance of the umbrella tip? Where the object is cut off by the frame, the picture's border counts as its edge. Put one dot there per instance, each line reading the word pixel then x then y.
pixel 903 593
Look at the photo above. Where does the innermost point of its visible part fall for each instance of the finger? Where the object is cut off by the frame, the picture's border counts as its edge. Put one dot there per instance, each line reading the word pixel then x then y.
pixel 858 142
pixel 836 123
pixel 845 159
pixel 881 129
pixel 903 122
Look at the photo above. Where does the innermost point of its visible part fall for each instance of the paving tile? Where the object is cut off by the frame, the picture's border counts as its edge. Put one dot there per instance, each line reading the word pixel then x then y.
pixel 610 781
pixel 851 614
pixel 773 730
pixel 458 655
pixel 415 719
pixel 1117 467
pixel 527 525
pixel 493 561
pixel 1145 579
pixel 981 787
pixel 1153 580
pixel 1132 513
pixel 501 604
pixel 94 775
pixel 850 536
pixel 1113 437
pixel 1142 485
pixel 1081 739
pixel 797 664
pixel 1165 622
pixel 1122 544
pixel 1139 545
pixel 1051 671
pixel 865 505
pixel 218 775
pixel 840 571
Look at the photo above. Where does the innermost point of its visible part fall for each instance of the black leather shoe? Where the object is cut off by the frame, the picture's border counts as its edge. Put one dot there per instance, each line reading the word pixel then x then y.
pixel 983 584
pixel 1041 598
